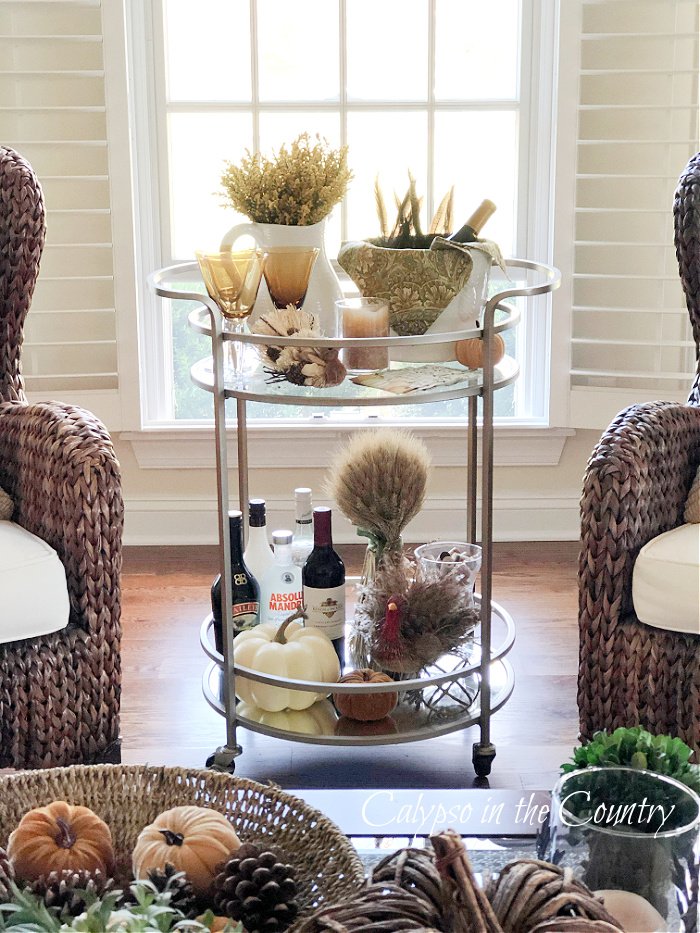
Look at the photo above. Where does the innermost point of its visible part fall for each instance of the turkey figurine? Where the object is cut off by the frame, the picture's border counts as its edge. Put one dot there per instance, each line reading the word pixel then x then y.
pixel 409 620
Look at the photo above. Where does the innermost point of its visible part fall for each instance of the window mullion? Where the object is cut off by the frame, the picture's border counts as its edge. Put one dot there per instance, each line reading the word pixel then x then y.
pixel 430 193
pixel 255 74
pixel 343 63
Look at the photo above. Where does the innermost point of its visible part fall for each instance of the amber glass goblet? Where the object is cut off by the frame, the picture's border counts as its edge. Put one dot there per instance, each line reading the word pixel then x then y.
pixel 287 273
pixel 232 280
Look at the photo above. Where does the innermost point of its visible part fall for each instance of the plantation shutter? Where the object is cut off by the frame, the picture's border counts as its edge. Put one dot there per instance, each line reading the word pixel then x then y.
pixel 638 126
pixel 52 111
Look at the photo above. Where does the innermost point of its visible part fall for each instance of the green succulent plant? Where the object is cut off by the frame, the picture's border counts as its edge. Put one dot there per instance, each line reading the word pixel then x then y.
pixel 147 911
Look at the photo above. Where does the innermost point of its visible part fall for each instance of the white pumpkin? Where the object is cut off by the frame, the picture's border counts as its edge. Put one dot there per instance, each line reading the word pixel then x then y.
pixel 289 650
pixel 319 719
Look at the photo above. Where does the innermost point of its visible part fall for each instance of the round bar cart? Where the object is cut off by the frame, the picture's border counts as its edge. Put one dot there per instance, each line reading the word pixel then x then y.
pixel 463 688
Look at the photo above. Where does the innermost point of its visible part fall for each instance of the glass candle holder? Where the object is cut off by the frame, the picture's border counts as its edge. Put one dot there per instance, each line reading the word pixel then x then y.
pixel 287 273
pixel 440 558
pixel 364 317
pixel 633 835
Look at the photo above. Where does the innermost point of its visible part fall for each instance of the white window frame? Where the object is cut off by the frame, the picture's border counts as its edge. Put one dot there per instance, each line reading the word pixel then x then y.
pixel 538 106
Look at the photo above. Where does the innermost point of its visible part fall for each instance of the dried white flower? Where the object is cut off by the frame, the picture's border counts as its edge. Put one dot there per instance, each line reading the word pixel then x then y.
pixel 319 367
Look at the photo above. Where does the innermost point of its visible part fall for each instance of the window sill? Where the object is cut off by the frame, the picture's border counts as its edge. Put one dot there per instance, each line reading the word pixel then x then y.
pixel 192 447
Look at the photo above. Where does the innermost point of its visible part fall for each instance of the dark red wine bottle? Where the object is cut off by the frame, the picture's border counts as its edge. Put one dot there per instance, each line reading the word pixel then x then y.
pixel 472 228
pixel 323 581
pixel 245 600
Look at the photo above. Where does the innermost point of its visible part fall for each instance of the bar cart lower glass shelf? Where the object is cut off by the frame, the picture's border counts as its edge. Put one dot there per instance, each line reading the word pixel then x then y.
pixel 443 698
pixel 464 687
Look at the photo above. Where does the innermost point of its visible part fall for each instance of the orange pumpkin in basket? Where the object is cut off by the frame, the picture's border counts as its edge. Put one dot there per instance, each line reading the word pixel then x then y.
pixel 217 924
pixel 193 839
pixel 365 707
pixel 60 836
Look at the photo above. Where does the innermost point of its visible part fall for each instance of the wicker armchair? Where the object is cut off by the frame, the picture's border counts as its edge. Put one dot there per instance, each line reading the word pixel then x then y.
pixel 635 487
pixel 59 694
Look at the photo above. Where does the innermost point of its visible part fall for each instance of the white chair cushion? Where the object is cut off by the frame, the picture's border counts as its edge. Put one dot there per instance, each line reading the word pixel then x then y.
pixel 666 581
pixel 33 592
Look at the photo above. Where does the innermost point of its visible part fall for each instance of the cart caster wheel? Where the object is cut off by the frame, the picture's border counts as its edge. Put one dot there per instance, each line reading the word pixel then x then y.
pixel 482 759
pixel 224 759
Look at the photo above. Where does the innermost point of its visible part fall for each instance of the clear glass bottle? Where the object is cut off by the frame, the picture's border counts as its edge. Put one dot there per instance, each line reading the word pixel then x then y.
pixel 246 592
pixel 258 553
pixel 281 591
pixel 303 541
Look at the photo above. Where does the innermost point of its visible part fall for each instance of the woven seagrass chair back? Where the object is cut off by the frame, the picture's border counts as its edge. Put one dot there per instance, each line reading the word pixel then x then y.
pixel 686 222
pixel 22 234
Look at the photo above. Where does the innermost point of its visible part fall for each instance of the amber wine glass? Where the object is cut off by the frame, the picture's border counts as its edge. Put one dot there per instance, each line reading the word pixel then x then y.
pixel 232 280
pixel 287 273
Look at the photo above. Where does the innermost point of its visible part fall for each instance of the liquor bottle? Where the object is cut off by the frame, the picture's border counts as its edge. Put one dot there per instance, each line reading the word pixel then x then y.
pixel 280 591
pixel 323 578
pixel 303 541
pixel 246 593
pixel 471 229
pixel 258 556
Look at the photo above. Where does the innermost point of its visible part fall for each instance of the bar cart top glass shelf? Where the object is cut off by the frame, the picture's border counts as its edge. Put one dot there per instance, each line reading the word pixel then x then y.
pixel 464 687
pixel 522 278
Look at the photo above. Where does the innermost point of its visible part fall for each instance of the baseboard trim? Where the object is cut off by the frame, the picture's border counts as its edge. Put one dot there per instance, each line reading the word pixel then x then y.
pixel 173 521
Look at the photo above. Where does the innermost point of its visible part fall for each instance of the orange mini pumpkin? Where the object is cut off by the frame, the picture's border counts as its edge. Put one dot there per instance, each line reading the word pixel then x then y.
pixel 216 924
pixel 365 707
pixel 193 839
pixel 470 353
pixel 60 836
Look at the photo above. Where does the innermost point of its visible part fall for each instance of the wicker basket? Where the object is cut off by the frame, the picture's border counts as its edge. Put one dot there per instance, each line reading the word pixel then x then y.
pixel 128 797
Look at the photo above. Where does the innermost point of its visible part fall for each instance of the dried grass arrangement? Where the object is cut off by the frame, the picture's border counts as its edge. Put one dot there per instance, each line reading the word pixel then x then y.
pixel 407 232
pixel 378 480
pixel 298 186
pixel 405 621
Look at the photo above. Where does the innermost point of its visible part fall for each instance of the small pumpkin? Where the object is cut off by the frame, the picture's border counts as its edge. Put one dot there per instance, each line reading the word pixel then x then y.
pixel 470 353
pixel 348 727
pixel 289 650
pixel 365 707
pixel 59 837
pixel 216 924
pixel 193 839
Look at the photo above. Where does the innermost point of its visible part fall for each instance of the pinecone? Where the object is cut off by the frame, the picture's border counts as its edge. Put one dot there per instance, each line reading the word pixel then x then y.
pixel 7 876
pixel 257 887
pixel 182 893
pixel 60 889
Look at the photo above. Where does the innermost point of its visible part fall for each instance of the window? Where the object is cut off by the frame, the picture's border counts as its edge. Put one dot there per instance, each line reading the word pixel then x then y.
pixel 453 90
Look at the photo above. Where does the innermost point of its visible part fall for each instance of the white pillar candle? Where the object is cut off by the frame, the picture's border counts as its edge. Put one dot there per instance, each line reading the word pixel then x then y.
pixel 634 912
pixel 364 317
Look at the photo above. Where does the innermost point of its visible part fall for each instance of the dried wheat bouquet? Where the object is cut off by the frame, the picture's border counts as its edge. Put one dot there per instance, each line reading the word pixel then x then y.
pixel 378 480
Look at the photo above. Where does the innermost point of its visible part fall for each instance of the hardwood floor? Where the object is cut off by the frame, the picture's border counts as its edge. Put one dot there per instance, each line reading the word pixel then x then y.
pixel 165 719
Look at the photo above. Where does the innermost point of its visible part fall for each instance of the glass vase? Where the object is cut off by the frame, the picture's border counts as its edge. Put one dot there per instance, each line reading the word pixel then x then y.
pixel 633 833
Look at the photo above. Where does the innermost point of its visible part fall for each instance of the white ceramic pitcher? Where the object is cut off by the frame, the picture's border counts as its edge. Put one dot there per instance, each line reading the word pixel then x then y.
pixel 324 285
